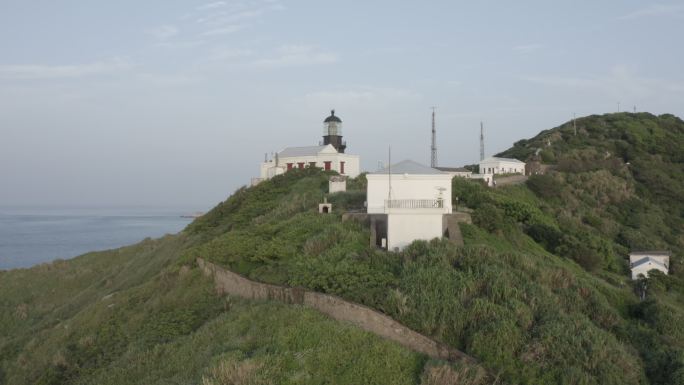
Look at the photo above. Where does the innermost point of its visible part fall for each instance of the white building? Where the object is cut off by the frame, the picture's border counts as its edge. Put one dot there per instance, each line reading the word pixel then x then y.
pixel 329 155
pixel 493 165
pixel 641 262
pixel 410 200
pixel 325 157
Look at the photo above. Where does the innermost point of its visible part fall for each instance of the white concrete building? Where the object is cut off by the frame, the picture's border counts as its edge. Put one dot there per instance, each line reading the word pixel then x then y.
pixel 411 199
pixel 329 155
pixel 325 157
pixel 641 262
pixel 493 165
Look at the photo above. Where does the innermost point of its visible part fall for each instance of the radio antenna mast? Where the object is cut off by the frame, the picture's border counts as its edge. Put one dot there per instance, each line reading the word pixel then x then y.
pixel 482 156
pixel 433 148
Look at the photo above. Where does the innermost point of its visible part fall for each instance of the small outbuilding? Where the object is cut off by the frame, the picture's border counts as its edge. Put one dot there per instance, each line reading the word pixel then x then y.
pixel 641 262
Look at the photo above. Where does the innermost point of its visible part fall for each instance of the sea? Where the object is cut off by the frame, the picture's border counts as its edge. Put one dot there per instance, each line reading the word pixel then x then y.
pixel 30 236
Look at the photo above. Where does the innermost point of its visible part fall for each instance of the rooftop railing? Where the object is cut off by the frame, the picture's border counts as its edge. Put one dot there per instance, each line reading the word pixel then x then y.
pixel 414 203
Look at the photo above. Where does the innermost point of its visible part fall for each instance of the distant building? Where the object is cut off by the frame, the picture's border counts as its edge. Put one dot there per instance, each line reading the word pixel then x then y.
pixel 641 262
pixel 408 201
pixel 329 155
pixel 493 165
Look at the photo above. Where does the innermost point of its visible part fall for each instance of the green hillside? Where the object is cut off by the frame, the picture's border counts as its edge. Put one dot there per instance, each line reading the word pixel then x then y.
pixel 540 293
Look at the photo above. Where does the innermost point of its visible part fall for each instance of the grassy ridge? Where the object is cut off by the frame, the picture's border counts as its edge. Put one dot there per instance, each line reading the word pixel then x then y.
pixel 139 315
pixel 540 292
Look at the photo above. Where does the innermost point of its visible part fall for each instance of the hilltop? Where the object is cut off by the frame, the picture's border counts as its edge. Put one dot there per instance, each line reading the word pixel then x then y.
pixel 540 293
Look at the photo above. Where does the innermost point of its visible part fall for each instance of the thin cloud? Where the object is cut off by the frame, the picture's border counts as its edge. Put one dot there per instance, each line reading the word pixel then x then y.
pixel 527 48
pixel 245 14
pixel 298 55
pixel 227 30
pixel 363 99
pixel 620 81
pixel 212 5
pixel 655 10
pixel 163 32
pixel 37 71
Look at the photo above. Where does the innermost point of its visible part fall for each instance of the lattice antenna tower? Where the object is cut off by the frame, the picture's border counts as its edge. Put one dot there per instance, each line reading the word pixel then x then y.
pixel 482 156
pixel 433 147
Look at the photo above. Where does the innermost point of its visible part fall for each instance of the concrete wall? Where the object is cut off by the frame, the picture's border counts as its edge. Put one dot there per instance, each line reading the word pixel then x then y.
pixel 402 229
pixel 365 318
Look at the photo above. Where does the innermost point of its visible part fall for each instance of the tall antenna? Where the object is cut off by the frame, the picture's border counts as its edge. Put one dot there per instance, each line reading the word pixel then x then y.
pixel 481 141
pixel 433 148
pixel 389 174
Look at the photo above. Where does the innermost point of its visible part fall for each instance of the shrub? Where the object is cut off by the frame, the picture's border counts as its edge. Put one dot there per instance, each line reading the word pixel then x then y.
pixel 489 217
pixel 544 186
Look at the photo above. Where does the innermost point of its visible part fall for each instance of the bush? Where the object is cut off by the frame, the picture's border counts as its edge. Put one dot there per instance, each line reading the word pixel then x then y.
pixel 544 186
pixel 489 217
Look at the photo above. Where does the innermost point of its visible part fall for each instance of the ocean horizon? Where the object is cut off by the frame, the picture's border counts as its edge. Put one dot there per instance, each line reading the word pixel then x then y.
pixel 33 235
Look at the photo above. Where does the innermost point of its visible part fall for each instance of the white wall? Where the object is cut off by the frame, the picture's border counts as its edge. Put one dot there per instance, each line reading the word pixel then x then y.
pixel 501 167
pixel 351 164
pixel 402 229
pixel 407 187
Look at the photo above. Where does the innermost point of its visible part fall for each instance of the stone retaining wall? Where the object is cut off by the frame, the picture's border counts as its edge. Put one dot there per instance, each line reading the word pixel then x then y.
pixel 364 317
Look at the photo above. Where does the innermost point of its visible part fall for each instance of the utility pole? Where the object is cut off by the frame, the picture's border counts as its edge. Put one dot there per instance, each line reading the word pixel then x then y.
pixel 482 154
pixel 433 148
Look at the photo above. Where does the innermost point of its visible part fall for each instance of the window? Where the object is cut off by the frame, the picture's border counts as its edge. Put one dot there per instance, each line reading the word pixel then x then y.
pixel 328 165
pixel 312 164
pixel 300 165
pixel 341 167
pixel 289 166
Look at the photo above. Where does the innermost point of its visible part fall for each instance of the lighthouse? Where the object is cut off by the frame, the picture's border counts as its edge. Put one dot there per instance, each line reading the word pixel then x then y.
pixel 332 132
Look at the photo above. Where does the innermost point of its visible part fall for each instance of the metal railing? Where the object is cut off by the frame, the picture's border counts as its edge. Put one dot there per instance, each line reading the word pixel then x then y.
pixel 414 203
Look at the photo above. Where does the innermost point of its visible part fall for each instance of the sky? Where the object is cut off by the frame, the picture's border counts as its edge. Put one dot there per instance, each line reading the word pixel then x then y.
pixel 175 103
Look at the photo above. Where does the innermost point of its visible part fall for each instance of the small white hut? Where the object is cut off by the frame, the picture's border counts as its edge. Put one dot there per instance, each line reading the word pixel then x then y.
pixel 641 262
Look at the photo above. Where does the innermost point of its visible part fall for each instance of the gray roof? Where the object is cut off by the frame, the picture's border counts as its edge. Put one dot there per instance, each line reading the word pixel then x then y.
pixel 453 169
pixel 502 159
pixel 291 152
pixel 408 167
pixel 646 260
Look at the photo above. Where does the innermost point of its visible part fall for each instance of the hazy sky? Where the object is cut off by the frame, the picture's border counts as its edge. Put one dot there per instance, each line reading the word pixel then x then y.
pixel 162 102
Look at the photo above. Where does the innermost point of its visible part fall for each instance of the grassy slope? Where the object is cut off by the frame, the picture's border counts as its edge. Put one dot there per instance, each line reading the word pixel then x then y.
pixel 136 315
pixel 539 293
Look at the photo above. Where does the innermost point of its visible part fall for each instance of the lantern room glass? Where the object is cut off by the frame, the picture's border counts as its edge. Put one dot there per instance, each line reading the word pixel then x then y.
pixel 332 128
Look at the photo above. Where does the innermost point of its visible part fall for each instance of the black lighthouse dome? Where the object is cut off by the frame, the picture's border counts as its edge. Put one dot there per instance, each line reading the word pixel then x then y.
pixel 332 118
